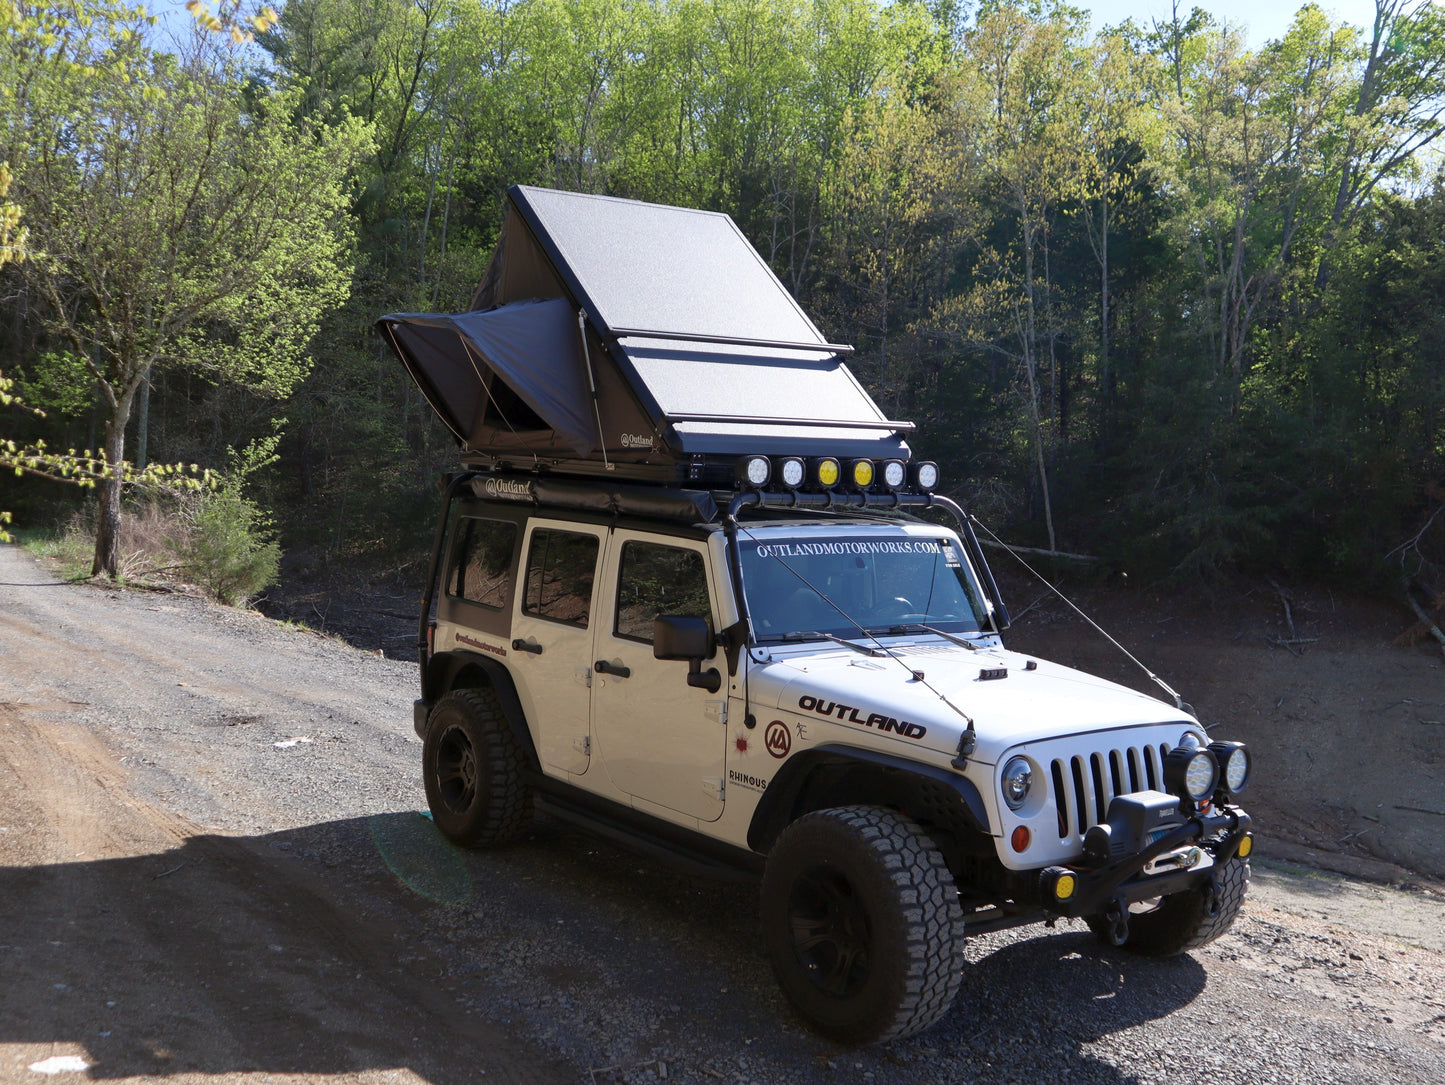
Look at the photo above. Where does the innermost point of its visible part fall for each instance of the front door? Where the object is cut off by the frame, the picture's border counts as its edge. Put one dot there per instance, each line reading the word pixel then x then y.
pixel 661 740
pixel 552 637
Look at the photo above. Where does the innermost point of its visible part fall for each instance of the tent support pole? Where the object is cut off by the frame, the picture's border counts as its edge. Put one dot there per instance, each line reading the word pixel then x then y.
pixel 592 384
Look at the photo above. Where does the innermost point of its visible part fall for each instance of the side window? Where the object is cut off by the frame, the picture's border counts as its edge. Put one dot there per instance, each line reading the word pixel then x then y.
pixel 484 558
pixel 560 565
pixel 653 580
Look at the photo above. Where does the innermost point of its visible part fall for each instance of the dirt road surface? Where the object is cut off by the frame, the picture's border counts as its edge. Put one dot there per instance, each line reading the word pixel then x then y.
pixel 213 867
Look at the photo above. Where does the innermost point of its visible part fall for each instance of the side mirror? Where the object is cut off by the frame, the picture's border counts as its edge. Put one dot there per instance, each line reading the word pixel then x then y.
pixel 676 637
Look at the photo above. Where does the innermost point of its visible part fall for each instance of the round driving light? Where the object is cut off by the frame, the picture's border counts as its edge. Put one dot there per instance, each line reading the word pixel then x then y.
pixel 1020 838
pixel 791 472
pixel 827 472
pixel 1191 773
pixel 1016 781
pixel 893 474
pixel 925 476
pixel 1234 764
pixel 860 473
pixel 754 471
pixel 1246 845
pixel 1064 886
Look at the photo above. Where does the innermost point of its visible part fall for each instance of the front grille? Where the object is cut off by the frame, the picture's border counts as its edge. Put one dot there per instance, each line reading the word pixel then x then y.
pixel 1085 783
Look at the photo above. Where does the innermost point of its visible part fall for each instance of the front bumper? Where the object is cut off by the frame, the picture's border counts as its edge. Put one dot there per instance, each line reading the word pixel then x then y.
pixel 1077 891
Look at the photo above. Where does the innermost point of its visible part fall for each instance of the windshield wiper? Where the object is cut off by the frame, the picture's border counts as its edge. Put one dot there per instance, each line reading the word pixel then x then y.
pixel 918 627
pixel 814 634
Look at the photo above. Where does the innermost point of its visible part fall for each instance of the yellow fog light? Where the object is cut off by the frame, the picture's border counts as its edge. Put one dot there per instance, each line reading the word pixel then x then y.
pixel 861 472
pixel 1246 845
pixel 1064 887
pixel 826 472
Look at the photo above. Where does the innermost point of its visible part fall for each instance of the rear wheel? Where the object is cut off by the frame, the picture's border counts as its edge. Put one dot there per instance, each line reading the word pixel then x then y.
pixel 474 771
pixel 1181 922
pixel 862 924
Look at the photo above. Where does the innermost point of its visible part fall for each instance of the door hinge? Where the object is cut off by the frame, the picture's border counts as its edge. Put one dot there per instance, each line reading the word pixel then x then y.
pixel 712 786
pixel 583 745
pixel 717 711
pixel 582 676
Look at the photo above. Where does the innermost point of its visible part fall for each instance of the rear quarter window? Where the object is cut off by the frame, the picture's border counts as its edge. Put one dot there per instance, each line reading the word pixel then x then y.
pixel 484 554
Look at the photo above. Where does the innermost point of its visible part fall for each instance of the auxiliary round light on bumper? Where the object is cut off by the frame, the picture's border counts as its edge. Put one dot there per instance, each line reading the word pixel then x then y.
pixel 1235 764
pixel 1058 884
pixel 1191 773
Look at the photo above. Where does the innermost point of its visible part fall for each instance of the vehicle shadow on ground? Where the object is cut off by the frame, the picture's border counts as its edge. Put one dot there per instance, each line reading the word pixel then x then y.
pixel 371 944
pixel 284 953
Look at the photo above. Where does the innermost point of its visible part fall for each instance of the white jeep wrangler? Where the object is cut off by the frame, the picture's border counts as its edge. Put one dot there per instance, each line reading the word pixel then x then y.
pixel 692 592
pixel 821 698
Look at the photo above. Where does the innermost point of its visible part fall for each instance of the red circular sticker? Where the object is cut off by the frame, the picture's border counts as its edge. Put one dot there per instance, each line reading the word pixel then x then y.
pixel 778 739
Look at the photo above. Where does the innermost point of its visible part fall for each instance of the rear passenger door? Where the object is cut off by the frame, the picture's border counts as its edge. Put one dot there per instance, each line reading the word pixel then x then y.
pixel 660 740
pixel 552 631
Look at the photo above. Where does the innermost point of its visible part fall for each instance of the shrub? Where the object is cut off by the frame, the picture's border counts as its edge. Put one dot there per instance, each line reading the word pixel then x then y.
pixel 231 550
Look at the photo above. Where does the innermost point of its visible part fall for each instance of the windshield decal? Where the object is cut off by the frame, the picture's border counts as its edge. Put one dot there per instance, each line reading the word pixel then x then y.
pixel 879 721
pixel 870 546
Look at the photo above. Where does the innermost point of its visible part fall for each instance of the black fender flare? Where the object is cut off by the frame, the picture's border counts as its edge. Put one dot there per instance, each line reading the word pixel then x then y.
pixel 443 670
pixel 957 801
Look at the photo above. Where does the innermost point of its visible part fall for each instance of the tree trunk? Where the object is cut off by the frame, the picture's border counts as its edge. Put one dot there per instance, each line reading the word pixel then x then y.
pixel 143 423
pixel 107 527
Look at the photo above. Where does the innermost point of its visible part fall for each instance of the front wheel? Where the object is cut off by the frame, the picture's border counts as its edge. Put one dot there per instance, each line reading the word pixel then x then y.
pixel 1181 922
pixel 862 924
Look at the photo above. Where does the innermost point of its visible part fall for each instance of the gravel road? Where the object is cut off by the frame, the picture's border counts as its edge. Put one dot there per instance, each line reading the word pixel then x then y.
pixel 213 866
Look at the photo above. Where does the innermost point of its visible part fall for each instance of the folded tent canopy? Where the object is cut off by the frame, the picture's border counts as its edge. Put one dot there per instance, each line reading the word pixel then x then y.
pixel 612 335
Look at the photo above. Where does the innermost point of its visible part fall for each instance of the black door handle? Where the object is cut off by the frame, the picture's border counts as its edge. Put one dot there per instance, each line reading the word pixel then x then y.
pixel 618 669
pixel 520 645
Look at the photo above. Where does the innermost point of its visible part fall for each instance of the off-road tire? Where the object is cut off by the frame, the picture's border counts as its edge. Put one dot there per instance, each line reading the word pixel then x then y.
pixel 862 923
pixel 1184 921
pixel 474 771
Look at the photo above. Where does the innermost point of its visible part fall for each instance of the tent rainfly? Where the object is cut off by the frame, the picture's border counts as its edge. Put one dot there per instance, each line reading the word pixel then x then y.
pixel 649 342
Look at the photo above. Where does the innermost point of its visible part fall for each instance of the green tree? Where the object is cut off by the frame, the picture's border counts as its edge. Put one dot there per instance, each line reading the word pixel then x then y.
pixel 180 217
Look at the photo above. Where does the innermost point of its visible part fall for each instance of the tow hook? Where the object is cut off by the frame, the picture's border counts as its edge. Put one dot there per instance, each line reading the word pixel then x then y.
pixel 1116 915
pixel 1212 897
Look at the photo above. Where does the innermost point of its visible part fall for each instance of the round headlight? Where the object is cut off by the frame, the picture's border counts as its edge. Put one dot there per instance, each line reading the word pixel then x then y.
pixel 1191 740
pixel 925 476
pixel 1191 773
pixel 893 474
pixel 1234 764
pixel 1016 782
pixel 791 472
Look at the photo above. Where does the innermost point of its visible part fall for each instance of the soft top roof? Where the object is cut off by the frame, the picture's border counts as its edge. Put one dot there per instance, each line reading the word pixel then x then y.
pixel 618 335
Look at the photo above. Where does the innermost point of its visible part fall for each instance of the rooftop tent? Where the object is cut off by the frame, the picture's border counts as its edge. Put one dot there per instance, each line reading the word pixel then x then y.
pixel 694 348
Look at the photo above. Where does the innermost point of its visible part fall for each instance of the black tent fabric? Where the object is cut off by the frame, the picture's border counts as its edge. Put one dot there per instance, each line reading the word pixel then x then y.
pixel 535 347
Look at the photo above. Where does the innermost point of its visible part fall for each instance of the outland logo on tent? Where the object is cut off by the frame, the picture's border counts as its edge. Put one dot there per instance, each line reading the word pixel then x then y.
pixel 638 440
pixel 504 487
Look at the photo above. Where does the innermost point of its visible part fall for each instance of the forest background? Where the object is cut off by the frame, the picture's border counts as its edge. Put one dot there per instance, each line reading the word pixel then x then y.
pixel 1149 294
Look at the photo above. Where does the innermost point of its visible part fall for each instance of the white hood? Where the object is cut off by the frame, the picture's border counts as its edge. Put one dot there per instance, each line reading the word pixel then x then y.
pixel 1048 701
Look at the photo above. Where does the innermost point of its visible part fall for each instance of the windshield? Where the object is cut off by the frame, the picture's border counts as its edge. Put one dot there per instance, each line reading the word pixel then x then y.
pixel 849 585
